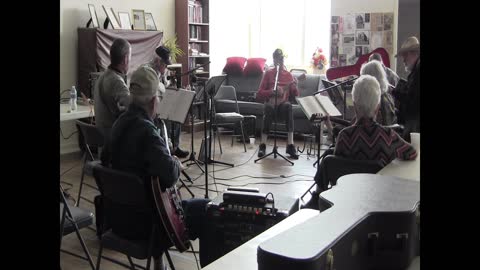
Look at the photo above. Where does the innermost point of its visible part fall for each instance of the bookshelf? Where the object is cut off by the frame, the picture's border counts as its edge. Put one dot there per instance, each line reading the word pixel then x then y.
pixel 192 29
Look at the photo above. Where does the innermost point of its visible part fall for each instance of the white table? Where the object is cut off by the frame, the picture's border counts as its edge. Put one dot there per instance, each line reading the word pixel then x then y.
pixel 81 112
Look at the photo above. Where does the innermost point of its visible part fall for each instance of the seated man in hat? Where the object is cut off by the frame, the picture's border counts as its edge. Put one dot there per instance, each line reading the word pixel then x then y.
pixel 287 91
pixel 159 64
pixel 407 96
pixel 137 147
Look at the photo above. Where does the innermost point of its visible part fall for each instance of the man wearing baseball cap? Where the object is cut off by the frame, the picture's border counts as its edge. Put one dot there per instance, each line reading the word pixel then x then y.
pixel 138 147
pixel 159 64
pixel 407 96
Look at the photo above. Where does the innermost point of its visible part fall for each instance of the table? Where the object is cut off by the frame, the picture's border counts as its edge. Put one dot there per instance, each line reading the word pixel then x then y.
pixel 81 112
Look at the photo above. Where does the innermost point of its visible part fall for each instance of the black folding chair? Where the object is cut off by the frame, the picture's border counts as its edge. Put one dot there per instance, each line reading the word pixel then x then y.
pixel 124 195
pixel 72 219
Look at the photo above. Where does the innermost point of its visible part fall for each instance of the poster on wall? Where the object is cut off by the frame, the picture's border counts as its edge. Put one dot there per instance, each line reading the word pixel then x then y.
pixel 349 24
pixel 376 22
pixel 376 39
pixel 362 37
pixel 360 21
pixel 387 21
pixel 340 25
pixel 342 60
pixel 348 40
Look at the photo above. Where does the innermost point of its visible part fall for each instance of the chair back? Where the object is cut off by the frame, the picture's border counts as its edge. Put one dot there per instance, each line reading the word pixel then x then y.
pixel 120 187
pixel 333 167
pixel 227 92
pixel 91 135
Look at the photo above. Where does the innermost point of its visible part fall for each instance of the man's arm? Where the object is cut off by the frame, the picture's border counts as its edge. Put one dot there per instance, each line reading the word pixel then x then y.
pixel 265 90
pixel 121 95
pixel 159 162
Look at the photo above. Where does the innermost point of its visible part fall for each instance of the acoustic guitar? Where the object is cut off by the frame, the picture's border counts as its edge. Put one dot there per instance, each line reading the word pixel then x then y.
pixel 169 206
pixel 283 92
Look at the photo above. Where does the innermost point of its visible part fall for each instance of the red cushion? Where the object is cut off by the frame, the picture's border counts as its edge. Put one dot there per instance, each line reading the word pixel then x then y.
pixel 254 66
pixel 234 65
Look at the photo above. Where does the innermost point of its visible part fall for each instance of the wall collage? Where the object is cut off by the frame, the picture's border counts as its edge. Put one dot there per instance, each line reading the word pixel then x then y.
pixel 353 35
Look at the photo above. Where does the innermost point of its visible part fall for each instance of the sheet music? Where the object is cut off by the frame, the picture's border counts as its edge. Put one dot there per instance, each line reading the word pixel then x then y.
pixel 317 104
pixel 327 105
pixel 175 104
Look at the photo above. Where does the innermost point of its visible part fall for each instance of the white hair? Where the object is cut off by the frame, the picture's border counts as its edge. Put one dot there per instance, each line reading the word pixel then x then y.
pixel 375 69
pixel 366 96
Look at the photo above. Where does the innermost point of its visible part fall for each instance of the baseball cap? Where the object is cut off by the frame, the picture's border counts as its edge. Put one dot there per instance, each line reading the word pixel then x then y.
pixel 164 53
pixel 145 82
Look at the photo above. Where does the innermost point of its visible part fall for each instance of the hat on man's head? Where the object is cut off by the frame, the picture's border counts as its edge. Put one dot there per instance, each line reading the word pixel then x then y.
pixel 164 53
pixel 278 53
pixel 411 44
pixel 145 82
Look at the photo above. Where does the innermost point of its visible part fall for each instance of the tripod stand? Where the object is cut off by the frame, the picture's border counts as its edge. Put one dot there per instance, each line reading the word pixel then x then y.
pixel 192 153
pixel 213 83
pixel 275 151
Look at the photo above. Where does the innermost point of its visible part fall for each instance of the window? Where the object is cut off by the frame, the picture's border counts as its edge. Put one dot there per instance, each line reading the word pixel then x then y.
pixel 255 28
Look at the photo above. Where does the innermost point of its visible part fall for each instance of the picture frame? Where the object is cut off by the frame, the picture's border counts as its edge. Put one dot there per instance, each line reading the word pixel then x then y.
pixel 149 22
pixel 111 17
pixel 138 19
pixel 93 15
pixel 124 19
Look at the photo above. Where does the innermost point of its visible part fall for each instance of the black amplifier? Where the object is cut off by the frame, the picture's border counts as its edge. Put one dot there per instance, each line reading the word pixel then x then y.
pixel 230 225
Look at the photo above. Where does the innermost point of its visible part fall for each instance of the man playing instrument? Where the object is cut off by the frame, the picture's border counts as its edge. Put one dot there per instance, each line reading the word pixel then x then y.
pixel 286 91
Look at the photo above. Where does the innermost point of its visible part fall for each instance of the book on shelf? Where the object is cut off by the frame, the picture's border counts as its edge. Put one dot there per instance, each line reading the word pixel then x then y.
pixel 317 104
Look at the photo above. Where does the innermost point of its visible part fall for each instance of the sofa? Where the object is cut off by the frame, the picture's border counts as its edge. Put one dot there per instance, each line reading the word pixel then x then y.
pixel 246 88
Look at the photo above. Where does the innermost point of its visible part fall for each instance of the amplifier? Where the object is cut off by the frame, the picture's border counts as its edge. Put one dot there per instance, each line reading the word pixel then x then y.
pixel 229 225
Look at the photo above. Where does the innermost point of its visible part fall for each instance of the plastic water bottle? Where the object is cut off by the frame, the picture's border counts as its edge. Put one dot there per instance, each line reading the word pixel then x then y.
pixel 73 99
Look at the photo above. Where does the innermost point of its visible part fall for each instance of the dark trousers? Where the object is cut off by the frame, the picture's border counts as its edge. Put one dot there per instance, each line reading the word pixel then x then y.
pixel 195 213
pixel 177 129
pixel 284 112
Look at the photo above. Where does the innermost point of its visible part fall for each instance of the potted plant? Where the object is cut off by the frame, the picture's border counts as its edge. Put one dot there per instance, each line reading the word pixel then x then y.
pixel 175 50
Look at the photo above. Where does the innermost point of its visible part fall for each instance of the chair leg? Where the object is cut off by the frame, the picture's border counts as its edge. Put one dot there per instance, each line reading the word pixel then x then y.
pixel 148 263
pixel 243 137
pixel 219 143
pixel 99 255
pixel 170 262
pixel 81 179
pixel 131 262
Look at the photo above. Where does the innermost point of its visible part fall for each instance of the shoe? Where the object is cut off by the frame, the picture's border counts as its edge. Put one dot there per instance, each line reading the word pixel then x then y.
pixel 181 153
pixel 261 150
pixel 292 151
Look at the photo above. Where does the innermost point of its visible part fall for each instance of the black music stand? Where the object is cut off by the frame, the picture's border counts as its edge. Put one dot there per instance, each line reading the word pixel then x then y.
pixel 275 151
pixel 209 89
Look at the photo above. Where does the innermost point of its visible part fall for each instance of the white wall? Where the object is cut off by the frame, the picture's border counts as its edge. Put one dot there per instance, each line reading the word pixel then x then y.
pixel 74 14
pixel 342 7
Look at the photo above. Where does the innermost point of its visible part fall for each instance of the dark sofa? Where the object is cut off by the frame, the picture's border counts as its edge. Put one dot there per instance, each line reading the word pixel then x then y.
pixel 246 88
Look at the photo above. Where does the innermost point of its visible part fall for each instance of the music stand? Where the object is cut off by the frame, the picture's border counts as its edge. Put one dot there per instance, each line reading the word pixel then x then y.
pixel 275 151
pixel 169 110
pixel 210 88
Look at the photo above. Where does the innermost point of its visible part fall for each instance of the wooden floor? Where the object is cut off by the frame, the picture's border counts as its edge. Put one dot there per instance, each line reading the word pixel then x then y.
pixel 269 175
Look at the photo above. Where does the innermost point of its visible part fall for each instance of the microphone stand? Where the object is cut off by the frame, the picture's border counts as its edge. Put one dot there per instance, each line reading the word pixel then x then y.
pixel 275 151
pixel 192 152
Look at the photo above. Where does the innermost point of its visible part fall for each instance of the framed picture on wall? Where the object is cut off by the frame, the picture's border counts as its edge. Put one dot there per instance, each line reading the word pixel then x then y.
pixel 124 18
pixel 93 15
pixel 149 22
pixel 111 17
pixel 138 19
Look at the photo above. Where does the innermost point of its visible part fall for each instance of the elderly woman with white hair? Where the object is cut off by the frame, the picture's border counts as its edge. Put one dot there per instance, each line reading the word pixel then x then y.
pixel 366 139
pixel 386 114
